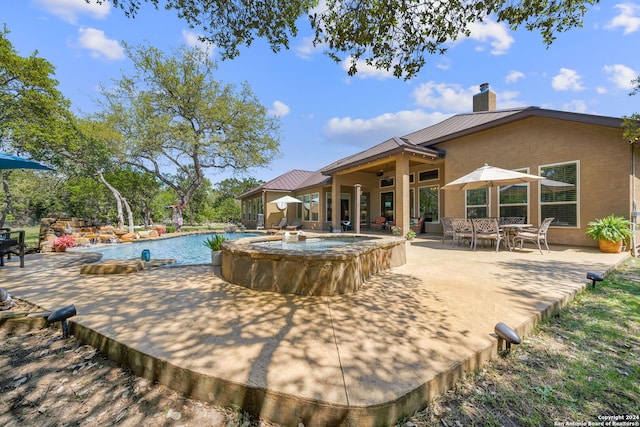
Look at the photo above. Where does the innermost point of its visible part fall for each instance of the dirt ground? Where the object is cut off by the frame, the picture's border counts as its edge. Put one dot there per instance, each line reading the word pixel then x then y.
pixel 46 380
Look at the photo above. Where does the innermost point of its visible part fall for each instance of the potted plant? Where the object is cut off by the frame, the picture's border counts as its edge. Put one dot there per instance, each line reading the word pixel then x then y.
pixel 215 244
pixel 62 243
pixel 410 235
pixel 610 232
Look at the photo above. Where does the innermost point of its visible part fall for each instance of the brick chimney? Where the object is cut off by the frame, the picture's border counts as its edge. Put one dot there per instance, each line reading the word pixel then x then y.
pixel 485 100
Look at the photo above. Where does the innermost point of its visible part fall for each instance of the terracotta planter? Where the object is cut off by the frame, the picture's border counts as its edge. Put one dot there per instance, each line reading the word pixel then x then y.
pixel 610 247
pixel 216 258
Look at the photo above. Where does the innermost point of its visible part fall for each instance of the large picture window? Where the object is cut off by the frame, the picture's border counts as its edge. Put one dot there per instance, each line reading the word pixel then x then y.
pixel 514 199
pixel 315 206
pixel 559 193
pixel 429 203
pixel 306 207
pixel 477 203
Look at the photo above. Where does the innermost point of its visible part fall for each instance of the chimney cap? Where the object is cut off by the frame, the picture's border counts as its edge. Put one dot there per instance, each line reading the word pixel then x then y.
pixel 484 87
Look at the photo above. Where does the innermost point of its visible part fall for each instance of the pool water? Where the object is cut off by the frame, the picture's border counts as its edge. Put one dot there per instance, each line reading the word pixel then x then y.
pixel 305 245
pixel 186 250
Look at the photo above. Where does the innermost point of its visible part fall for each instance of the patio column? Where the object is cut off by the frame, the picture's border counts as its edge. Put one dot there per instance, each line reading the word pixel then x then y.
pixel 403 213
pixel 356 214
pixel 335 202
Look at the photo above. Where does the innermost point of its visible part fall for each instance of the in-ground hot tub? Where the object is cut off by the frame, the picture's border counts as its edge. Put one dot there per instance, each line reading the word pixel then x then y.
pixel 292 267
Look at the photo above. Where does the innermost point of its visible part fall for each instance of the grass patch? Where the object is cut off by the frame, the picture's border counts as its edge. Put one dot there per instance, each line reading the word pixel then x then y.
pixel 575 368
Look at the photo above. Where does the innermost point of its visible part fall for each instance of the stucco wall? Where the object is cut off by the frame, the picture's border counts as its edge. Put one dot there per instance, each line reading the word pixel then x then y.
pixel 604 167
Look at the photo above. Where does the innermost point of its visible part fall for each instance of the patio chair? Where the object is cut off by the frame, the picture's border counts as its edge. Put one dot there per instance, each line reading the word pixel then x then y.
pixel 379 223
pixel 462 229
pixel 447 228
pixel 536 236
pixel 11 243
pixel 487 229
pixel 417 226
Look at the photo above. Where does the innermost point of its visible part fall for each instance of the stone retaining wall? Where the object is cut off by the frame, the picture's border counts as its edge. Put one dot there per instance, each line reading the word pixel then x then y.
pixel 336 271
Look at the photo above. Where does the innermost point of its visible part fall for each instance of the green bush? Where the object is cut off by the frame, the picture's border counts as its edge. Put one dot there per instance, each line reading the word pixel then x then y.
pixel 214 243
pixel 611 228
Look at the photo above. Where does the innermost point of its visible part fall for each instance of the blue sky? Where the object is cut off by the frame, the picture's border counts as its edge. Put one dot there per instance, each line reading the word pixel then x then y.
pixel 326 114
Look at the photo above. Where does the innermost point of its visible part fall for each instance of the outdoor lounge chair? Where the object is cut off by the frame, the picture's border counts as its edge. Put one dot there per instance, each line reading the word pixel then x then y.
pixel 11 243
pixel 535 235
pixel 279 226
pixel 295 225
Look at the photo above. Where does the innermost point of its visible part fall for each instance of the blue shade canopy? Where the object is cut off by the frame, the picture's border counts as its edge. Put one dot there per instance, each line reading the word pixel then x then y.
pixel 8 161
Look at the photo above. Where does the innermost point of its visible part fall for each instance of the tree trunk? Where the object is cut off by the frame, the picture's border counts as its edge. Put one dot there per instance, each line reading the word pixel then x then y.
pixel 129 214
pixel 7 199
pixel 119 203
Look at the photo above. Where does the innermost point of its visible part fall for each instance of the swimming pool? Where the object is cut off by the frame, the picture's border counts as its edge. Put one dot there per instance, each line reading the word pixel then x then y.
pixel 186 250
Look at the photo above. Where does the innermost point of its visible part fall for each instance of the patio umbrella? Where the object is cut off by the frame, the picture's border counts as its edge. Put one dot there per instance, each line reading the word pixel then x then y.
pixel 7 161
pixel 548 185
pixel 282 202
pixel 490 176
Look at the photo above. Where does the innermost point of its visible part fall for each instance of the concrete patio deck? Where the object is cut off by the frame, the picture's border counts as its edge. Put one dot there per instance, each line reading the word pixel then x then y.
pixel 364 359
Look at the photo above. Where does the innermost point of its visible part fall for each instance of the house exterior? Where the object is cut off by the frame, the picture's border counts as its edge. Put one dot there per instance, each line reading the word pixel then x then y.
pixel 588 166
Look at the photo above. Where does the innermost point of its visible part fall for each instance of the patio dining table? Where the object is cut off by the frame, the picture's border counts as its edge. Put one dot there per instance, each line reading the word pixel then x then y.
pixel 510 230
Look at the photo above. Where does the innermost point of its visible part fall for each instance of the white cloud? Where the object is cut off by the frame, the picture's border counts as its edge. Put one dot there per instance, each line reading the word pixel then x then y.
pixel 628 19
pixel 366 71
pixel 497 33
pixel 621 75
pixel 601 90
pixel 193 40
pixel 576 106
pixel 567 79
pixel 279 109
pixel 100 46
pixel 368 132
pixel 514 76
pixel 444 96
pixel 69 10
pixel 306 49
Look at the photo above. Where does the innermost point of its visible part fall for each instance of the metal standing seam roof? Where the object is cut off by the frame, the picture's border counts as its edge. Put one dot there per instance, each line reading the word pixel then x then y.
pixel 288 181
pixel 386 148
pixel 464 124
pixel 421 141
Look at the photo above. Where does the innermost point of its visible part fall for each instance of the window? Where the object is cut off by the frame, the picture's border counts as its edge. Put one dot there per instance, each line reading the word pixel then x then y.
pixel 429 175
pixel 429 203
pixel 315 206
pixel 411 178
pixel 559 193
pixel 477 203
pixel 306 207
pixel 345 207
pixel 387 182
pixel 412 203
pixel 386 209
pixel 513 200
